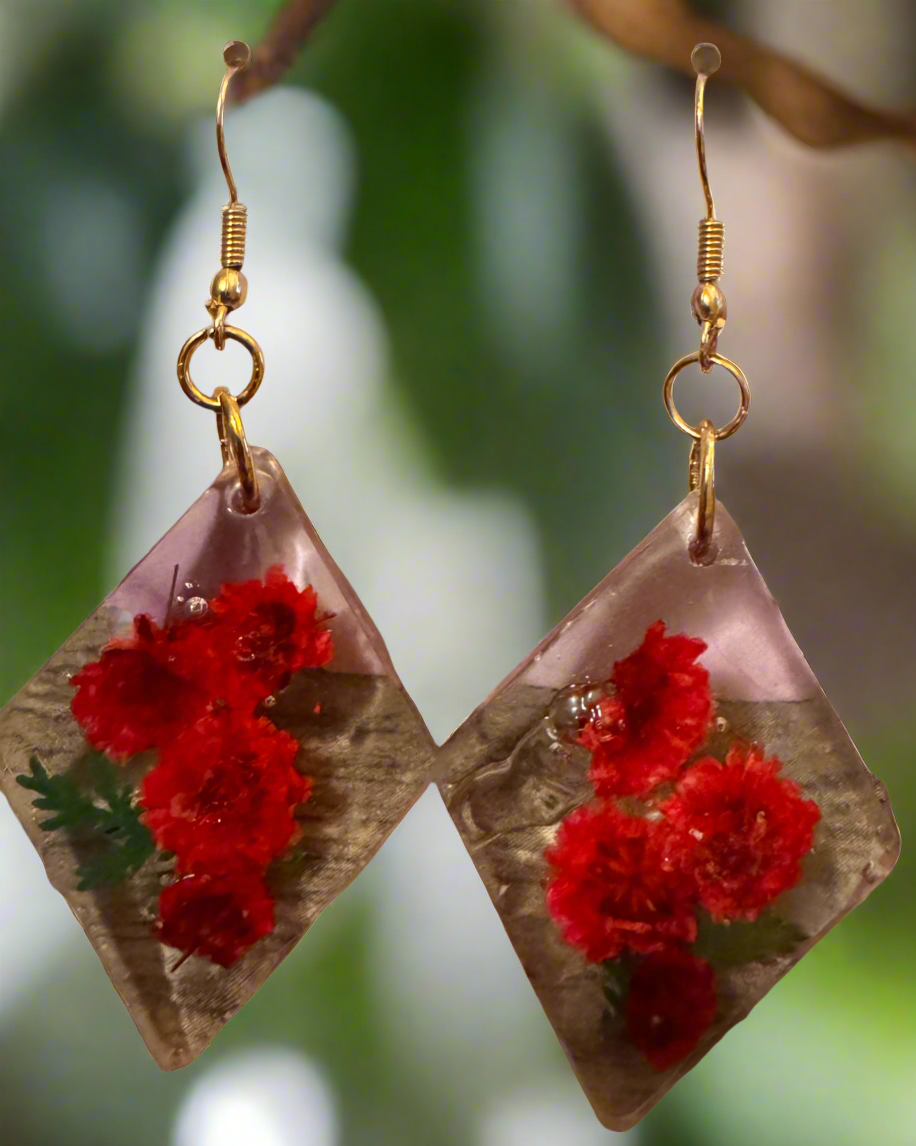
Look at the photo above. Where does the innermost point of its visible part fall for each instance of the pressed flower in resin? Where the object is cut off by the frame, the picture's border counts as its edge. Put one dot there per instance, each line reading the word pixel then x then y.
pixel 266 631
pixel 659 714
pixel 222 792
pixel 671 1003
pixel 740 831
pixel 222 796
pixel 633 879
pixel 142 692
pixel 217 917
pixel 608 891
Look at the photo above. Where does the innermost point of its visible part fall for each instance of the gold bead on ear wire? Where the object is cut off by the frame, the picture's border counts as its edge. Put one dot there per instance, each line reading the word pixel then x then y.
pixel 710 310
pixel 228 290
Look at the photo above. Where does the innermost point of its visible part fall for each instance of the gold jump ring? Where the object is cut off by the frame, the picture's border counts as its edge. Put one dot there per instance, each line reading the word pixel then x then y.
pixel 736 372
pixel 235 446
pixel 197 340
pixel 703 480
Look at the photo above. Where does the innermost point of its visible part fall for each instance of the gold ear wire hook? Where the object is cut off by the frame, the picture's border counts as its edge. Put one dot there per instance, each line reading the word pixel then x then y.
pixel 706 61
pixel 237 56
pixel 708 302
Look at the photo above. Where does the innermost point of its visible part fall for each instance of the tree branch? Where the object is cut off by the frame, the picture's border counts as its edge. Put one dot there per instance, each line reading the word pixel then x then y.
pixel 810 107
pixel 291 29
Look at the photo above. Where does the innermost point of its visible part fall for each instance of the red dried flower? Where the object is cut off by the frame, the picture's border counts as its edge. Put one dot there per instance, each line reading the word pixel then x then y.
pixel 660 714
pixel 609 891
pixel 222 796
pixel 218 918
pixel 265 632
pixel 740 831
pixel 142 692
pixel 671 1002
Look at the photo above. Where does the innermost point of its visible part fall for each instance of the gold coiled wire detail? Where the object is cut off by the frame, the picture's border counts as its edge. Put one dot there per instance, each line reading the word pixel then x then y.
pixel 711 251
pixel 235 227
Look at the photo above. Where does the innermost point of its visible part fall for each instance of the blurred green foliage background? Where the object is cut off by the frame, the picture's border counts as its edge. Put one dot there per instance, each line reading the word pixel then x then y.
pixel 558 408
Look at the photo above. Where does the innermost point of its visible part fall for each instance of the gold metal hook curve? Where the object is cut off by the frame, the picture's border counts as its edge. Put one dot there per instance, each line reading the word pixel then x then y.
pixel 237 56
pixel 706 60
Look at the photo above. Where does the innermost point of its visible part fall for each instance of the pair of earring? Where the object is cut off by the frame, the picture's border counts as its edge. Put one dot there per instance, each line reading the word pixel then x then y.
pixel 663 806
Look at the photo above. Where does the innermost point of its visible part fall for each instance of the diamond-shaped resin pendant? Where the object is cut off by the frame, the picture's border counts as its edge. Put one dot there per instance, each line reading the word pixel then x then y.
pixel 221 748
pixel 666 816
pixel 212 758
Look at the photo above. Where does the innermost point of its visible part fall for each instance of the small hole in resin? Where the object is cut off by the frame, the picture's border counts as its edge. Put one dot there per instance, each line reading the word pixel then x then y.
pixel 269 701
pixel 236 498
pixel 703 554
pixel 721 724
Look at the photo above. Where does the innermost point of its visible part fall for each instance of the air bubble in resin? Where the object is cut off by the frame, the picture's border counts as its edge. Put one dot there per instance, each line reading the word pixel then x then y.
pixel 243 650
pixel 721 724
pixel 573 707
pixel 196 607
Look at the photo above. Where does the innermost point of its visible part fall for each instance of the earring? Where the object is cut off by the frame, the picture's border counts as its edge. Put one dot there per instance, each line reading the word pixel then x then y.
pixel 662 804
pixel 220 749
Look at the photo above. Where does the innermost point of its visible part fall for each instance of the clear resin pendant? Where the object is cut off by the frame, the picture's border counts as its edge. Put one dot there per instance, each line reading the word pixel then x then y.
pixel 666 812
pixel 212 758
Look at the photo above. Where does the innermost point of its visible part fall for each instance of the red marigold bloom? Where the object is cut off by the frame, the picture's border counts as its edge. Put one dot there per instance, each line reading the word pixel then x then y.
pixel 266 632
pixel 740 831
pixel 672 1001
pixel 142 692
pixel 222 796
pixel 218 918
pixel 609 891
pixel 660 714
